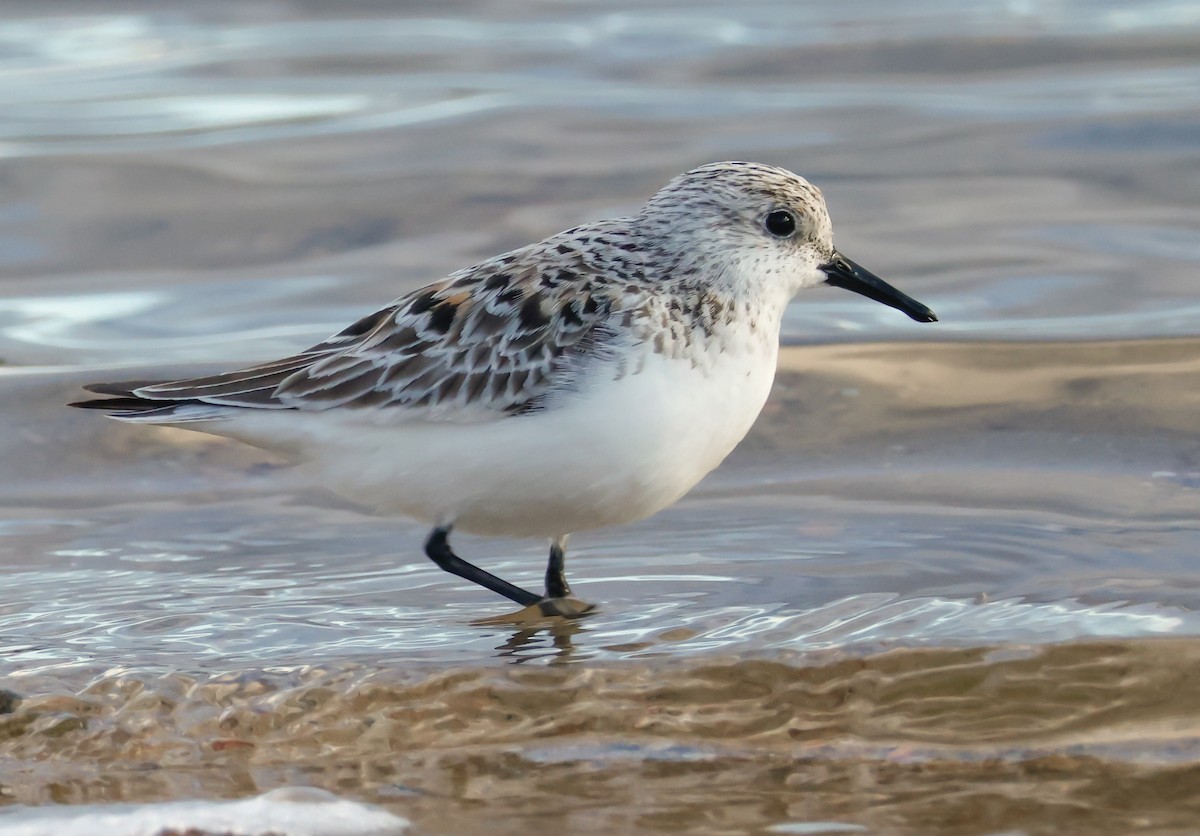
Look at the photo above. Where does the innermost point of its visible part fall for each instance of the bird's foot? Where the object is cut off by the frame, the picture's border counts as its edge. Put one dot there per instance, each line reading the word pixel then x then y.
pixel 564 607
pixel 543 609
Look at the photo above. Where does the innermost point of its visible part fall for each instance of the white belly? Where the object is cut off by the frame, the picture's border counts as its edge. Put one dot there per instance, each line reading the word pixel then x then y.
pixel 620 451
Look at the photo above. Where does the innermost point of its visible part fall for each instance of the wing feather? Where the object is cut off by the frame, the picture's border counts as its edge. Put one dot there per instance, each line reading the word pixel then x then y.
pixel 497 339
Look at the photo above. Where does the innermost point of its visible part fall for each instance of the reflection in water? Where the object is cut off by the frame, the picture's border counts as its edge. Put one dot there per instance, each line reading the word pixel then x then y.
pixel 550 642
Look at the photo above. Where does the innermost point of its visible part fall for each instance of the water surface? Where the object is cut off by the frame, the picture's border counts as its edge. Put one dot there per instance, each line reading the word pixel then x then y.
pixel 948 585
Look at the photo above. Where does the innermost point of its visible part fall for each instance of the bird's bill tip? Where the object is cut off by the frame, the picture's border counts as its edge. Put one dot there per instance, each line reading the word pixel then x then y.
pixel 842 272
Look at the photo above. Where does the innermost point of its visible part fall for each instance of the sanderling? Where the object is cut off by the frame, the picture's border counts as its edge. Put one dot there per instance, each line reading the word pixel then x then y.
pixel 586 380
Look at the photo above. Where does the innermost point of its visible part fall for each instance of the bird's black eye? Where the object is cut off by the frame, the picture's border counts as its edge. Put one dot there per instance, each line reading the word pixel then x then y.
pixel 780 223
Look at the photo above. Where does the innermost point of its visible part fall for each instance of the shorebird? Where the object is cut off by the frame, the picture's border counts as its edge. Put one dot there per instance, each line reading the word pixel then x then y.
pixel 586 380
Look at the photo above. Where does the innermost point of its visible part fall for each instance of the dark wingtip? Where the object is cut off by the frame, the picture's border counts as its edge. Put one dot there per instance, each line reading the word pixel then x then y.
pixel 123 388
pixel 123 403
pixel 122 397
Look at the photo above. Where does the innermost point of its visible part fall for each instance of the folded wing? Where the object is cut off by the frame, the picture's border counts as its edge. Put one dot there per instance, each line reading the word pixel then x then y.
pixel 493 340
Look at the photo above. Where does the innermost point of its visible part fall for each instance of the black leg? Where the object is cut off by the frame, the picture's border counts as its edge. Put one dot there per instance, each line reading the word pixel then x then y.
pixel 556 578
pixel 438 549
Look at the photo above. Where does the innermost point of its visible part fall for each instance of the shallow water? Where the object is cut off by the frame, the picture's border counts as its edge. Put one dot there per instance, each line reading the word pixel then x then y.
pixel 949 584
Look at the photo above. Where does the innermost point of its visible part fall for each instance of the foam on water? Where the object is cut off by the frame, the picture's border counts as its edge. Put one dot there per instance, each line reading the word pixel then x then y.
pixel 294 811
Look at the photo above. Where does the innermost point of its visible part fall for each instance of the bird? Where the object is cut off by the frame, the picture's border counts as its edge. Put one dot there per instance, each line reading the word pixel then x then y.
pixel 589 379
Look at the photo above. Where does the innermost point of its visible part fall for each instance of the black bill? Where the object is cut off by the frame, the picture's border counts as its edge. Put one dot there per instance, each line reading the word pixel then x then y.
pixel 842 272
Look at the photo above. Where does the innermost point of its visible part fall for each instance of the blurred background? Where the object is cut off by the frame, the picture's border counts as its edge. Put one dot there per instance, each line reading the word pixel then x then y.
pixel 948 585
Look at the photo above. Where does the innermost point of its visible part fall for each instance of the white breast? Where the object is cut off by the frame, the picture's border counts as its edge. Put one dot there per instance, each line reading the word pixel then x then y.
pixel 619 451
